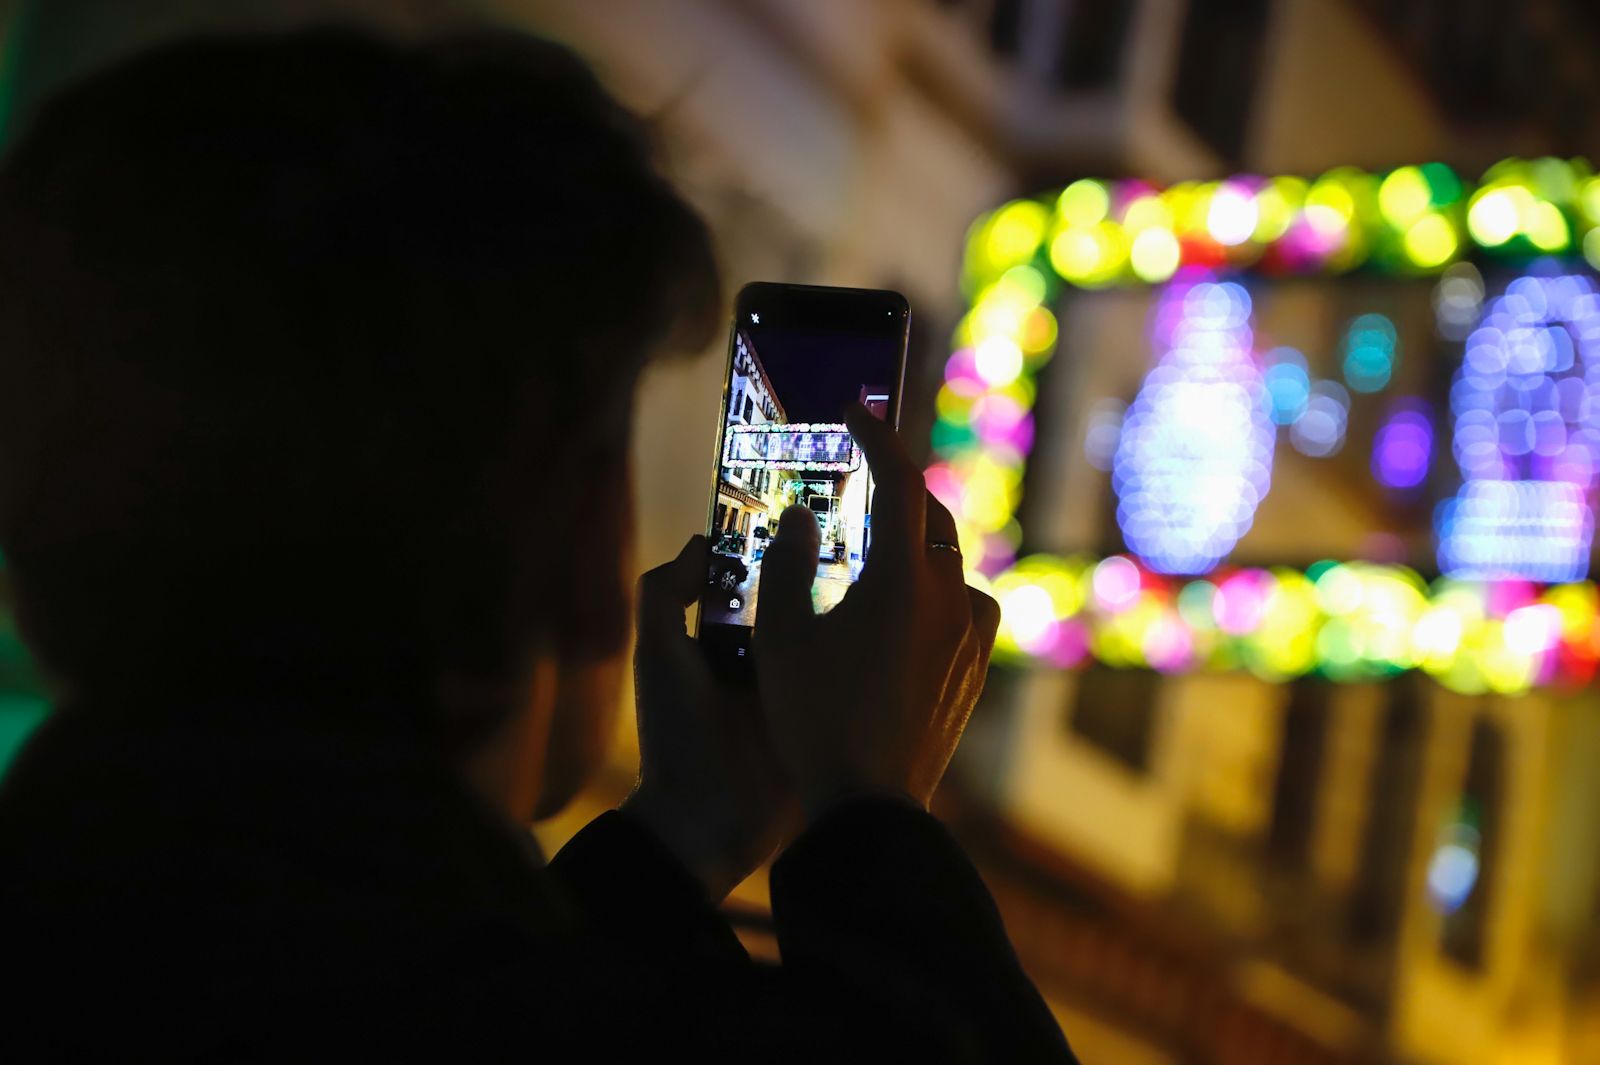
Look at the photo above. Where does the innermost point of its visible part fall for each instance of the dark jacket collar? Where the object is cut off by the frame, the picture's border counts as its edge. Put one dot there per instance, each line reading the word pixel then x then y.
pixel 182 805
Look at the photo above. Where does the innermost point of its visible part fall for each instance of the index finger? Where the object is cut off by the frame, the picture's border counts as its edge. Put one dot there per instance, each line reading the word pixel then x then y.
pixel 899 506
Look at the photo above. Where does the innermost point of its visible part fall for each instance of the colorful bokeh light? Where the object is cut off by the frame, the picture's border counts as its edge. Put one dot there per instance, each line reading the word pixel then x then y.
pixel 1195 455
pixel 1403 448
pixel 1526 403
pixel 1346 621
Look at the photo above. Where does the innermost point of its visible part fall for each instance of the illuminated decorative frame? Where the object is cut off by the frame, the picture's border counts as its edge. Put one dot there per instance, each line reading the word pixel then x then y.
pixel 839 429
pixel 1348 621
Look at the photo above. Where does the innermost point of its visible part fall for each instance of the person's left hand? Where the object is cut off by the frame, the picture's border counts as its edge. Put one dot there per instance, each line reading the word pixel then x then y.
pixel 710 786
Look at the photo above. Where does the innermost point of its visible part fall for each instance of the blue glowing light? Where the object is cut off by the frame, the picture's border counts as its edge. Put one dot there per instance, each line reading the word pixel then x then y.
pixel 1452 874
pixel 1526 404
pixel 1370 351
pixel 1403 447
pixel 1194 459
pixel 1287 385
pixel 1455 865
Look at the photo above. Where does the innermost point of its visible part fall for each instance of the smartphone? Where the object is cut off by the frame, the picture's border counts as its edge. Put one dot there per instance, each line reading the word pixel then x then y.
pixel 797 356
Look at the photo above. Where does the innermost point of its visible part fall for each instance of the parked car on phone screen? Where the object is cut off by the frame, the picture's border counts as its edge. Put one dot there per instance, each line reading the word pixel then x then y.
pixel 728 570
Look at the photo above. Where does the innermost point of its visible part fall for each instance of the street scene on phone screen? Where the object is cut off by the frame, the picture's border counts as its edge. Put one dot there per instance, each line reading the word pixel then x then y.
pixel 784 442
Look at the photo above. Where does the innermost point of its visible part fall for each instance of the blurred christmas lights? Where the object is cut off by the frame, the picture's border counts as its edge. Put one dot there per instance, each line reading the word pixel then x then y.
pixel 1194 459
pixel 1370 348
pixel 1346 621
pixel 1403 448
pixel 1287 384
pixel 1319 431
pixel 1453 869
pixel 1526 402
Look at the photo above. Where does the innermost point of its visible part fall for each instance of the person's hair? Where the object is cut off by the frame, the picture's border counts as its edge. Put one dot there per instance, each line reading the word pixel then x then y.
pixel 317 355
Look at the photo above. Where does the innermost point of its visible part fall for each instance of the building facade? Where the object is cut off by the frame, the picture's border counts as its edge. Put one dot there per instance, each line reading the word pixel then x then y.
pixel 749 501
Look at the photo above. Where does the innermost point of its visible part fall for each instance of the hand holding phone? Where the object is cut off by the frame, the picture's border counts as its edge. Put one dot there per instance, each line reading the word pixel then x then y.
pixel 872 697
pixel 797 355
pixel 710 786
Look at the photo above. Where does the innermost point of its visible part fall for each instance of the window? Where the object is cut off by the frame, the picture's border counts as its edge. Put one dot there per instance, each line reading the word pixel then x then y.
pixel 1093 42
pixel 1379 894
pixel 1294 800
pixel 1219 66
pixel 1070 45
pixel 1005 26
pixel 1115 709
pixel 749 410
pixel 1476 820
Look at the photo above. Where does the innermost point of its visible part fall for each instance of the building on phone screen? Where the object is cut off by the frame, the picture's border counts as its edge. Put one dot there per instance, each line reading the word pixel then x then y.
pixel 749 501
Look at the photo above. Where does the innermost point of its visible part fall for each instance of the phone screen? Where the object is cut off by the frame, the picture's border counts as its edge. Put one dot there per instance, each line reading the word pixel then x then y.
pixel 797 356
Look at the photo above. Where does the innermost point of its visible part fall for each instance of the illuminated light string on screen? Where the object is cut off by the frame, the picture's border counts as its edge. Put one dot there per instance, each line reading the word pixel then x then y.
pixel 1344 620
pixel 808 446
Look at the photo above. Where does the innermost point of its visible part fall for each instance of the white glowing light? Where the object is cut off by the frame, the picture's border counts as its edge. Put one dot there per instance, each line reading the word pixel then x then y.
pixel 1437 634
pixel 1233 215
pixel 1510 530
pixel 1495 218
pixel 998 360
pixel 1029 614
pixel 1195 455
pixel 1532 630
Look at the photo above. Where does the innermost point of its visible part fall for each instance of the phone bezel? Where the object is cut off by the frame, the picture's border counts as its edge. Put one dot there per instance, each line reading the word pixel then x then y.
pixel 728 648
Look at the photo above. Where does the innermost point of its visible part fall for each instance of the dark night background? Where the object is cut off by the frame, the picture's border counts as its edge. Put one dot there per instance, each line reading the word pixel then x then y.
pixel 816 373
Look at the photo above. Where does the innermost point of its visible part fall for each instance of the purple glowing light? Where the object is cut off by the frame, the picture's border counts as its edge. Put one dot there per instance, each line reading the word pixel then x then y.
pixel 1069 644
pixel 961 373
pixel 1403 448
pixel 1240 602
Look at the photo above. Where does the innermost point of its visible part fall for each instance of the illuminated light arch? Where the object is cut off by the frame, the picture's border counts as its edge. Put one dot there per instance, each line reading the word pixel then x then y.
pixel 1348 620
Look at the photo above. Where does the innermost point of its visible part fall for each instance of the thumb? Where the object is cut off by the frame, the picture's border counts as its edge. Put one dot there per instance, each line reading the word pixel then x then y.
pixel 666 592
pixel 783 603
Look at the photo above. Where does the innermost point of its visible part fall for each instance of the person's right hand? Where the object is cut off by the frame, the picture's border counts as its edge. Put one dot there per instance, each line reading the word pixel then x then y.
pixel 872 697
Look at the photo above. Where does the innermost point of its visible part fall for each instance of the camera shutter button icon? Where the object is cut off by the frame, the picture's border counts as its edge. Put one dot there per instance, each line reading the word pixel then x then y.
pixel 734 603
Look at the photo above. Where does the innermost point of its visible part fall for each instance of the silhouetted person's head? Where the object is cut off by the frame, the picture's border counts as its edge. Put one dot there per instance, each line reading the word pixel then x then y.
pixel 317 354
